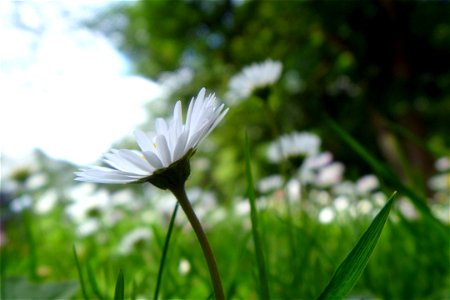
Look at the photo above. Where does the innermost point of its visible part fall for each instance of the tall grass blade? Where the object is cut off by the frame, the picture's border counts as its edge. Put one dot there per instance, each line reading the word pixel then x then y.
pixel 80 274
pixel 93 282
pixel 260 260
pixel 119 292
pixel 164 252
pixel 349 271
pixel 383 171
pixel 133 291
pixel 27 216
pixel 436 152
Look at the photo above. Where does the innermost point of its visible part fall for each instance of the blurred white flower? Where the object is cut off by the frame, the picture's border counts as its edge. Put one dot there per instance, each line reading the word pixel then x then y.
pixel 341 203
pixel 295 144
pixel 326 215
pixel 172 81
pixel 293 190
pixel 317 161
pixel 87 227
pixel 253 77
pixel 330 175
pixel 442 211
pixel 203 201
pixel 21 203
pixel 184 266
pixel 346 188
pixel 311 165
pixel 37 181
pixel 364 206
pixel 85 201
pixel 134 237
pixel 172 142
pixel 440 182
pixel 367 184
pixel 46 202
pixel 123 197
pixel 270 183
pixel 442 164
pixel 407 209
pixel 242 206
pixel 379 199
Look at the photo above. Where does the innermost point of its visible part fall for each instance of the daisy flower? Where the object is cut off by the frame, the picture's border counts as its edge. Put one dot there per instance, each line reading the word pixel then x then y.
pixel 292 145
pixel 164 155
pixel 257 76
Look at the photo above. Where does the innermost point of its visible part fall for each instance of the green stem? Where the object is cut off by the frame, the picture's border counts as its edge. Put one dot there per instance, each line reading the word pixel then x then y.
pixel 182 198
pixel 27 215
pixel 260 260
pixel 164 253
pixel 284 169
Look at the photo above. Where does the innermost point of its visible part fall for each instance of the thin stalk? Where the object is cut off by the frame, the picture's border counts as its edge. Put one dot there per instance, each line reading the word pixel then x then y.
pixel 165 249
pixel 264 283
pixel 80 273
pixel 284 169
pixel 182 198
pixel 27 215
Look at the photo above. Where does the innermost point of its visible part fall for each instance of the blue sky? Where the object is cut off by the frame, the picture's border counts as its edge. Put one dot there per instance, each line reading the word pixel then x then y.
pixel 64 89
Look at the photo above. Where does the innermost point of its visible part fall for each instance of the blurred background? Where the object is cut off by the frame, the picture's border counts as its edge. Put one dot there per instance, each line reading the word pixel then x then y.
pixel 78 78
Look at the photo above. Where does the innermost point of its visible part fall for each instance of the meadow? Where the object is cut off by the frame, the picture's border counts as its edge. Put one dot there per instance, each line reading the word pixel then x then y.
pixel 325 174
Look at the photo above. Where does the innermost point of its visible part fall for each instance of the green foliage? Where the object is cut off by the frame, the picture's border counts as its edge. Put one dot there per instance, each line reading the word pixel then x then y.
pixel 21 288
pixel 164 252
pixel 119 290
pixel 258 244
pixel 389 95
pixel 334 59
pixel 349 271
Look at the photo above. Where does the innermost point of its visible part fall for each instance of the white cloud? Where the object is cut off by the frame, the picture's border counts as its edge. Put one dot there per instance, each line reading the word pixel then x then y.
pixel 64 89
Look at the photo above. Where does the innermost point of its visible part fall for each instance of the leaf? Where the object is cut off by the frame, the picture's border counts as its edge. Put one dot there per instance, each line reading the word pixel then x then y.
pixel 165 249
pixel 21 288
pixel 119 290
pixel 349 271
pixel 93 282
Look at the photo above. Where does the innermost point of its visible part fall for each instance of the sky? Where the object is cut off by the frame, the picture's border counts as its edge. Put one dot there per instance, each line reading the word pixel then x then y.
pixel 63 88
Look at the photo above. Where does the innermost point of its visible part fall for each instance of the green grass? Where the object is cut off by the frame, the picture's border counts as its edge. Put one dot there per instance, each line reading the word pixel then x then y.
pixel 253 249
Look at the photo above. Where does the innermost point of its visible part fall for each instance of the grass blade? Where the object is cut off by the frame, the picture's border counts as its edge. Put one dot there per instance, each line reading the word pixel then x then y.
pixel 119 290
pixel 255 229
pixel 436 152
pixel 349 271
pixel 93 282
pixel 165 249
pixel 80 274
pixel 383 171
pixel 31 245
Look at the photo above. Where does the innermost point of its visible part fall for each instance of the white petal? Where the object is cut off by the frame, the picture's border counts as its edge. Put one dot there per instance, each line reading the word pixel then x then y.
pixel 177 113
pixel 181 146
pixel 217 121
pixel 118 161
pixel 195 138
pixel 197 108
pixel 143 140
pixel 189 113
pixel 138 160
pixel 163 150
pixel 153 159
pixel 161 126
pixel 105 175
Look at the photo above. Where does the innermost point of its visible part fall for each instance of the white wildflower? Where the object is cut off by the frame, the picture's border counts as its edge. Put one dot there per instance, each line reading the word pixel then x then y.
pixel 174 142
